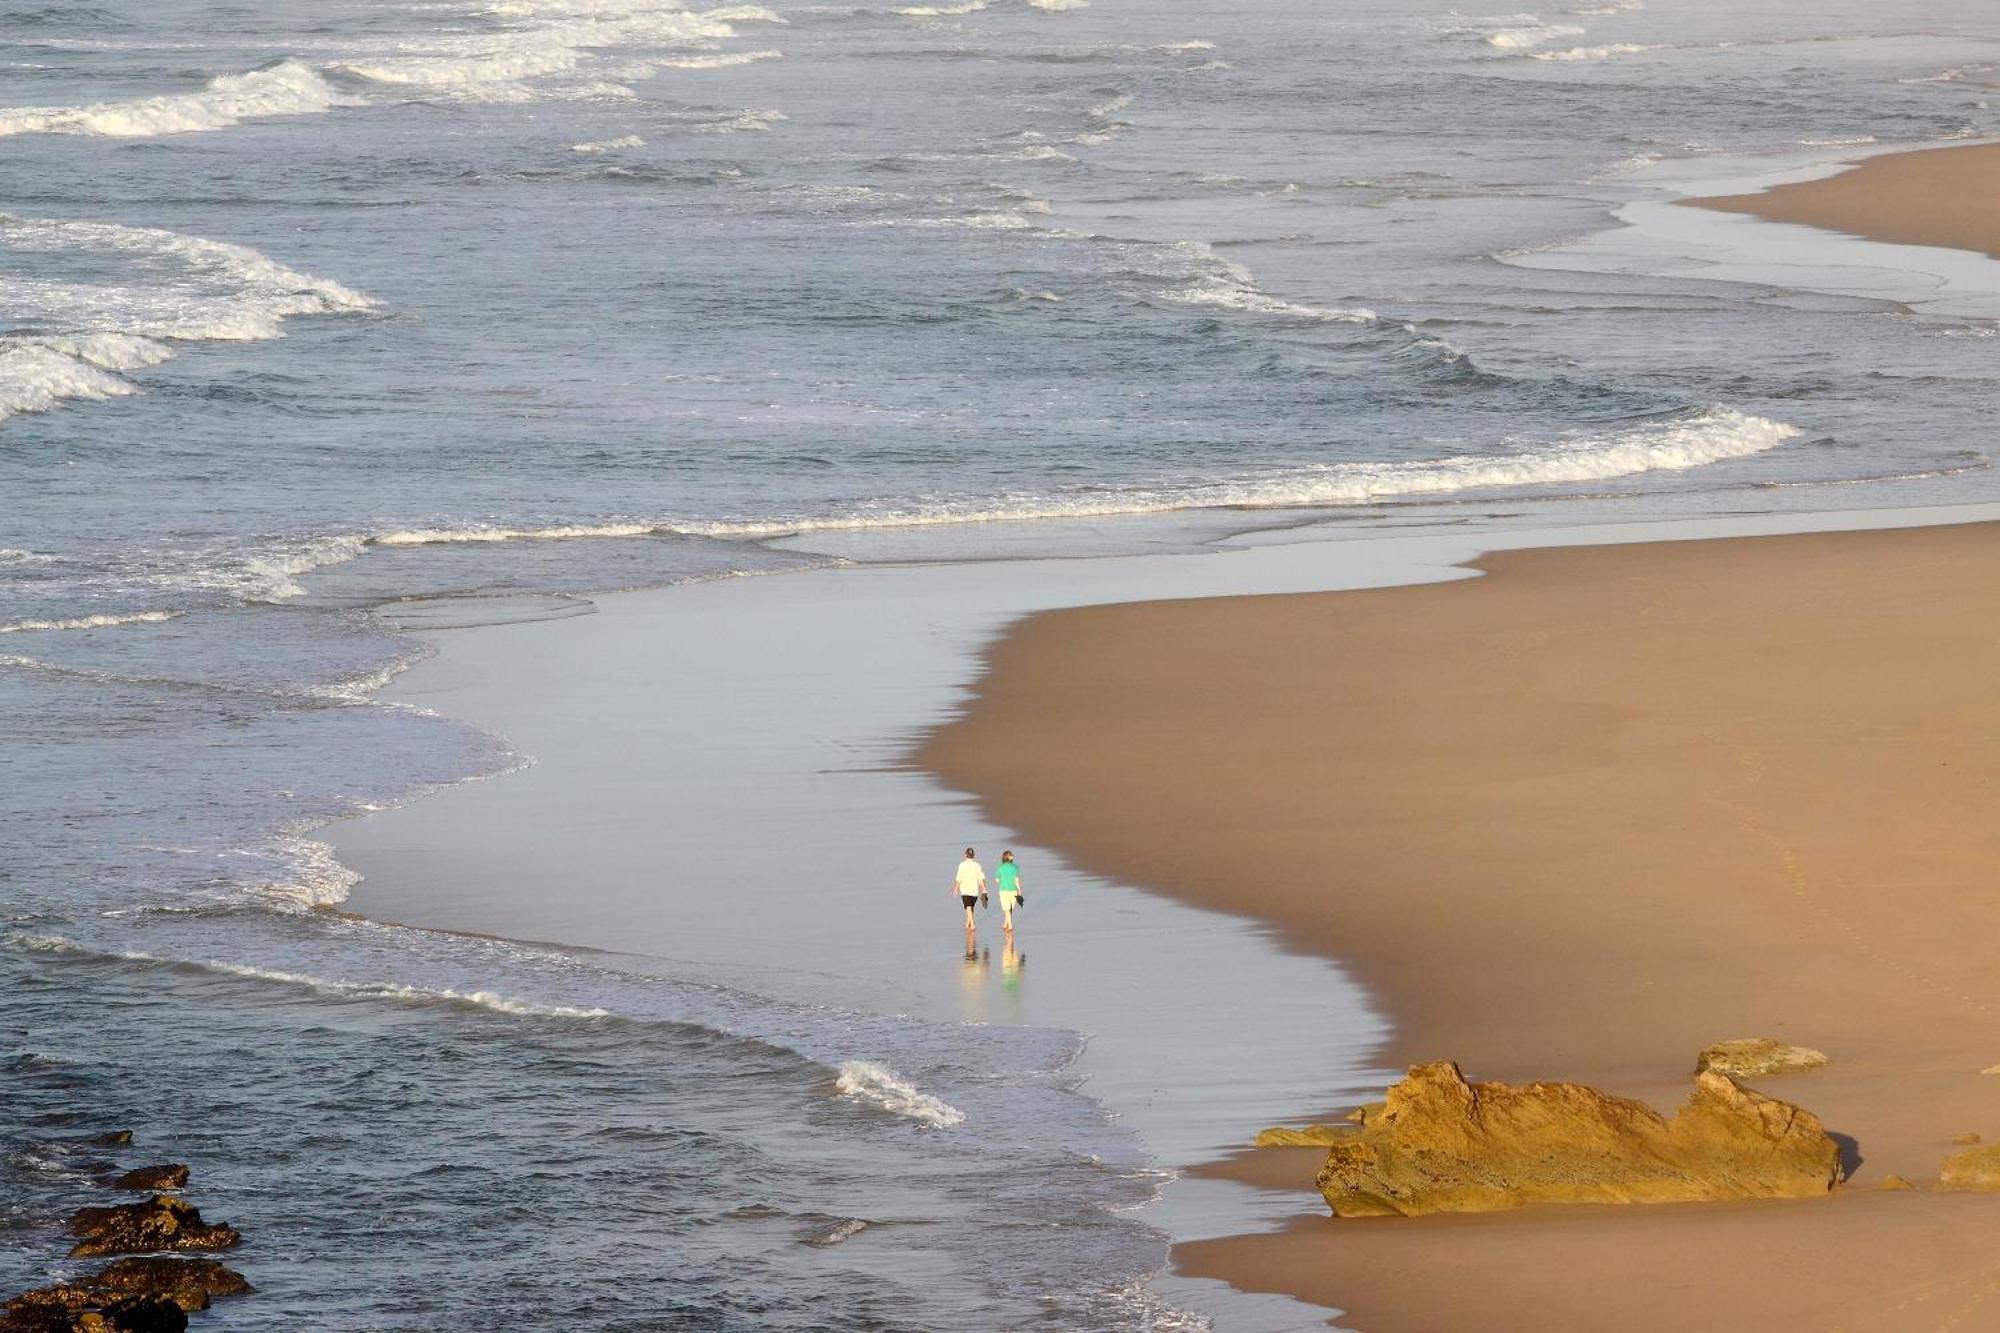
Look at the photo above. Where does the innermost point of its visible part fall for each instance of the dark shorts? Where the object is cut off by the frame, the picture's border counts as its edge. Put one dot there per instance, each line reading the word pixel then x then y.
pixel 969 899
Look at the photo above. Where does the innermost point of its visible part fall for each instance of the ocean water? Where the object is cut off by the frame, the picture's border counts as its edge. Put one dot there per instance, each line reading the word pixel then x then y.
pixel 321 320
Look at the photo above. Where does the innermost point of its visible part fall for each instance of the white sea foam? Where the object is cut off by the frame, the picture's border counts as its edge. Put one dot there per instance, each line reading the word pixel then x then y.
pixel 1109 107
pixel 269 572
pixel 940 11
pixel 1232 293
pixel 1059 6
pixel 1032 153
pixel 1715 435
pixel 176 288
pixel 724 61
pixel 836 1232
pixel 288 88
pixel 450 536
pixel 388 990
pixel 609 145
pixel 105 621
pixel 305 873
pixel 1531 35
pixel 35 943
pixel 879 1085
pixel 744 122
pixel 1610 52
pixel 11 555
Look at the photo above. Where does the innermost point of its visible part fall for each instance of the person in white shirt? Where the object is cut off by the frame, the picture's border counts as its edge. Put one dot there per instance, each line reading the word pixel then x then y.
pixel 970 886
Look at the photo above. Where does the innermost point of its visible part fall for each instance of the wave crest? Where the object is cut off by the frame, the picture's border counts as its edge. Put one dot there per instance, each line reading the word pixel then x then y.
pixel 288 88
pixel 881 1086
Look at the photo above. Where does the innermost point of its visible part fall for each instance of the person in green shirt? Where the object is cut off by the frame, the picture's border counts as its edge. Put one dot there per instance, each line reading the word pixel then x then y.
pixel 1009 878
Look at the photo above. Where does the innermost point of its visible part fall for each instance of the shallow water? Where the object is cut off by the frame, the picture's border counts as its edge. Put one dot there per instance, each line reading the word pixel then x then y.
pixel 309 310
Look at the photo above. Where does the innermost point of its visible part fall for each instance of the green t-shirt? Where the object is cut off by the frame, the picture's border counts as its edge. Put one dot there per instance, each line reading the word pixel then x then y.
pixel 1009 876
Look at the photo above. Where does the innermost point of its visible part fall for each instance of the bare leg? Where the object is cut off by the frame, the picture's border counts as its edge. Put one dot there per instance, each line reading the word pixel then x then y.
pixel 1007 915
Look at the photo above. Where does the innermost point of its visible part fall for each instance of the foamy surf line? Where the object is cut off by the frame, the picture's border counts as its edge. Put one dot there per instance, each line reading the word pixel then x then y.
pixel 1717 434
pixel 88 622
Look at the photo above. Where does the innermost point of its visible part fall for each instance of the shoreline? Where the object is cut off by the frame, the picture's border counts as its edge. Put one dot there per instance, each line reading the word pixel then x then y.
pixel 1947 197
pixel 1611 877
pixel 1810 222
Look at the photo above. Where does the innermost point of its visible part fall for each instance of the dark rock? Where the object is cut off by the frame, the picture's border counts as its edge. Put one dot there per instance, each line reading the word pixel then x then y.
pixel 160 1223
pixel 74 1309
pixel 170 1176
pixel 188 1283
pixel 51 1308
pixel 117 1138
pixel 135 1314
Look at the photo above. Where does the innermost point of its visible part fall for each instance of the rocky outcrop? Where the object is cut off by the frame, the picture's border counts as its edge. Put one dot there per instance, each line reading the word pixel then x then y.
pixel 76 1309
pixel 1757 1057
pixel 1443 1145
pixel 1319 1136
pixel 1973 1169
pixel 159 1223
pixel 151 1294
pixel 170 1176
pixel 1310 1136
pixel 188 1283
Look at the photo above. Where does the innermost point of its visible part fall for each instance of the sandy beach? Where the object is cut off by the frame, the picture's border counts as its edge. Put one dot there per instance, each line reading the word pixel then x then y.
pixel 1946 197
pixel 1575 820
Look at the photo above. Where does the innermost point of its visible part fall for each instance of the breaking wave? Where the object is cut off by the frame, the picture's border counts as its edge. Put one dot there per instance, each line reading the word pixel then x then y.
pixel 1609 52
pixel 356 990
pixel 881 1086
pixel 152 287
pixel 88 622
pixel 1689 440
pixel 1539 34
pixel 288 88
pixel 553 57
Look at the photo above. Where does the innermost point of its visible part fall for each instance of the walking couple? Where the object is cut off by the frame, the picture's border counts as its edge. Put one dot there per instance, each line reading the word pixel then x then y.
pixel 970 886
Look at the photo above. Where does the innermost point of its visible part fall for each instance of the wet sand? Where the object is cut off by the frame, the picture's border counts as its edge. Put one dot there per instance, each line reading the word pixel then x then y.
pixel 1576 820
pixel 1947 197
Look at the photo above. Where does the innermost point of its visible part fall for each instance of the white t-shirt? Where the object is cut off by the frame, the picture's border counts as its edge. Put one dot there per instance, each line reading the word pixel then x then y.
pixel 970 875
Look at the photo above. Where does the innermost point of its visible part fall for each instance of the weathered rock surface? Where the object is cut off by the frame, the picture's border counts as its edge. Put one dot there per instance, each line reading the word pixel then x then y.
pixel 1758 1057
pixel 159 1223
pixel 1973 1169
pixel 1319 1136
pixel 168 1176
pixel 188 1283
pixel 1442 1145
pixel 74 1309
pixel 1308 1136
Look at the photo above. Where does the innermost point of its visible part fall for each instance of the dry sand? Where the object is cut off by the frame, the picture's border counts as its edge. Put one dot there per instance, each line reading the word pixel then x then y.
pixel 1934 196
pixel 1576 820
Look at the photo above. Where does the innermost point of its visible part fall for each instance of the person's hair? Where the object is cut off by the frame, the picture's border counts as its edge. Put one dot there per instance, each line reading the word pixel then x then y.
pixel 968 851
pixel 1007 856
